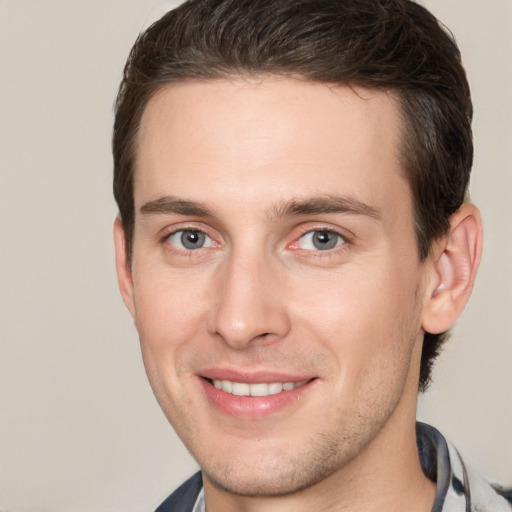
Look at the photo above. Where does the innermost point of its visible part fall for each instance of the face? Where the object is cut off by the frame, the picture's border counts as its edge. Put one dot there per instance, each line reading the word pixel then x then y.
pixel 275 281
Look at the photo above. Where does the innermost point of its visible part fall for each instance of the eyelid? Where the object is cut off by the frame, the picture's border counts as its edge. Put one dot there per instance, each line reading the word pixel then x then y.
pixel 310 239
pixel 346 237
pixel 208 241
pixel 313 226
pixel 168 232
pixel 183 226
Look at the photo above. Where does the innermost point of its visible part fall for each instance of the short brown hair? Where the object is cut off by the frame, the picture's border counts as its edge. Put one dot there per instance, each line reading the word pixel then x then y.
pixel 392 45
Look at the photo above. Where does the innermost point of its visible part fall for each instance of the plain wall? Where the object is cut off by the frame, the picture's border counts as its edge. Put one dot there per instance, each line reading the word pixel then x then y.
pixel 80 430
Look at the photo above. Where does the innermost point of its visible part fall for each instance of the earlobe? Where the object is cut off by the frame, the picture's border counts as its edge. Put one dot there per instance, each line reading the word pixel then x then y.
pixel 456 260
pixel 124 274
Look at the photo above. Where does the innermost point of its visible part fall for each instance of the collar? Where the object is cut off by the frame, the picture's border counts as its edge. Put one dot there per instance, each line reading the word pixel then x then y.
pixel 460 488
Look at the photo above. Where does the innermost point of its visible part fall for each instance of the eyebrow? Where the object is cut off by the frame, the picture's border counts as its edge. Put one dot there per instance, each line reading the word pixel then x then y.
pixel 325 204
pixel 310 206
pixel 174 205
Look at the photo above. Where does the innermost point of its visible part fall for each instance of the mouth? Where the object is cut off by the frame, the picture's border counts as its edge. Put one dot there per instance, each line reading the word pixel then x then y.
pixel 260 389
pixel 256 397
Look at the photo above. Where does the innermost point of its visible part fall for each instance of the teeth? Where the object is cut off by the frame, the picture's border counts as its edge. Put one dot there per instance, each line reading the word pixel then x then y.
pixel 260 389
pixel 275 388
pixel 227 386
pixel 240 389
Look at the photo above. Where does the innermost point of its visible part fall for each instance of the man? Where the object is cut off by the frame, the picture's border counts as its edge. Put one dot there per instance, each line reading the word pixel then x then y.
pixel 293 245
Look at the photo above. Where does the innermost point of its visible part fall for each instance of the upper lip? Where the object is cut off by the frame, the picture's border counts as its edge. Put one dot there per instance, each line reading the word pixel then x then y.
pixel 253 377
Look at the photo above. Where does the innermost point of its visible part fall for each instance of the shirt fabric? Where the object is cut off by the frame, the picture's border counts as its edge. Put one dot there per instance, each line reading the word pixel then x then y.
pixel 459 488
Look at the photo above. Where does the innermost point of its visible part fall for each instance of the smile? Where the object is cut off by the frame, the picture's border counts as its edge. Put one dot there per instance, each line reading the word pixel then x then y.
pixel 259 389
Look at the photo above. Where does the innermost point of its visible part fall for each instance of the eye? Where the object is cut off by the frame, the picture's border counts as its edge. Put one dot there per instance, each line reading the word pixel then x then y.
pixel 323 240
pixel 190 239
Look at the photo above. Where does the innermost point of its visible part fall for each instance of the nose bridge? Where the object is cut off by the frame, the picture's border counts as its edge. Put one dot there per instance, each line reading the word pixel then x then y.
pixel 249 303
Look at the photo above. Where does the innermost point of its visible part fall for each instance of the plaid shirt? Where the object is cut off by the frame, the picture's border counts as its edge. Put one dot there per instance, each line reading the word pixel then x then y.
pixel 459 488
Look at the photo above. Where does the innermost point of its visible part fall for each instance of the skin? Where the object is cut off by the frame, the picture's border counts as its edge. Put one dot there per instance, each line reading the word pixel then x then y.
pixel 233 159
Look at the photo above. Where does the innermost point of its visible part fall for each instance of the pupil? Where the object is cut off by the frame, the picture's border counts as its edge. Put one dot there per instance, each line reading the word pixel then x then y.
pixel 325 240
pixel 192 239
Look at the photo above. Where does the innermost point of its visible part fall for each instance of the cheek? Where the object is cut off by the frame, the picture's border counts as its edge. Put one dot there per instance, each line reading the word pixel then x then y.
pixel 169 316
pixel 367 320
pixel 170 309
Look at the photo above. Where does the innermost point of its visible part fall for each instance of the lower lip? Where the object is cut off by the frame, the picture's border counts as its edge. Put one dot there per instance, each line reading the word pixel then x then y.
pixel 254 407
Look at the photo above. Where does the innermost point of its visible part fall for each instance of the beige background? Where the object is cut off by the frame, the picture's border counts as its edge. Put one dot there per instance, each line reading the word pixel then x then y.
pixel 79 428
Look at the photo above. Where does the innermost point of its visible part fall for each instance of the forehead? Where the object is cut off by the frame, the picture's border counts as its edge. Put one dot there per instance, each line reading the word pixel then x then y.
pixel 238 139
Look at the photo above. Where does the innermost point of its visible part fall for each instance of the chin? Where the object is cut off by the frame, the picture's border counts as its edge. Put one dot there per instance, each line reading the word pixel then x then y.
pixel 276 475
pixel 257 485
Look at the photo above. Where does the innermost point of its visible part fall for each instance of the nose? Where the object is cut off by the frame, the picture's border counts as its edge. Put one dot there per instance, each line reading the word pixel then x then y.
pixel 250 304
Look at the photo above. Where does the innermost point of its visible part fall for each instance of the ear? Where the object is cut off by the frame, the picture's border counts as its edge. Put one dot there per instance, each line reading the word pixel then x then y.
pixel 455 260
pixel 124 274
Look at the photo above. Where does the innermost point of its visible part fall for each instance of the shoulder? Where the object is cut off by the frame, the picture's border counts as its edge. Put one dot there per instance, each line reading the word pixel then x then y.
pixel 460 487
pixel 485 495
pixel 184 497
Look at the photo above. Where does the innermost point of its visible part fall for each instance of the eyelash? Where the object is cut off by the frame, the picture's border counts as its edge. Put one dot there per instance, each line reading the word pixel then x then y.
pixel 165 240
pixel 345 242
